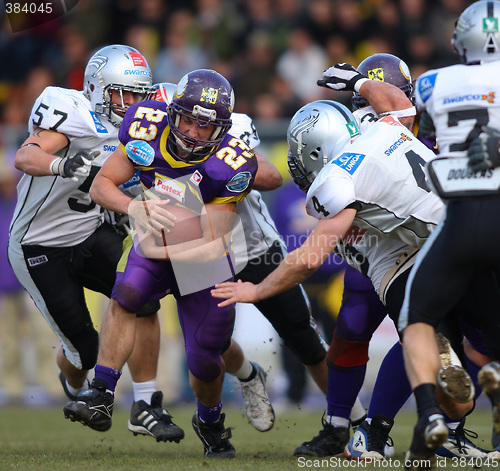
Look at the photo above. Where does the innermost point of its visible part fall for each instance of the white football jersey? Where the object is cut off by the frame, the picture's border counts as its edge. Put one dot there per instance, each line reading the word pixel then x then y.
pixel 381 173
pixel 259 229
pixel 51 210
pixel 460 99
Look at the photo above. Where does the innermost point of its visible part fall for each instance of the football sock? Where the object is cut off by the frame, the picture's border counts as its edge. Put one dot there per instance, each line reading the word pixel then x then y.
pixel 358 412
pixel 473 370
pixel 425 395
pixel 246 372
pixel 110 375
pixel 209 414
pixel 343 387
pixel 392 388
pixel 143 391
pixel 75 391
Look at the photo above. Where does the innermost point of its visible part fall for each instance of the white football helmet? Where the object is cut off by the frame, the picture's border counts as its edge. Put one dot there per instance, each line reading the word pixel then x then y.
pixel 316 133
pixel 115 68
pixel 163 91
pixel 477 37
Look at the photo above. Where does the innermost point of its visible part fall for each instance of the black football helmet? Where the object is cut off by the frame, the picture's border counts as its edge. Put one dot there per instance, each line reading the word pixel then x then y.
pixel 207 97
pixel 384 68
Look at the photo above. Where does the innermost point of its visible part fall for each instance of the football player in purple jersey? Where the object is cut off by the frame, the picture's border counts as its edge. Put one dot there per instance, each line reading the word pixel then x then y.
pixel 194 163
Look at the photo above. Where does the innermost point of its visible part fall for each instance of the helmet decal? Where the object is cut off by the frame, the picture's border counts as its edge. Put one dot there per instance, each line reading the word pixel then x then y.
pixel 99 62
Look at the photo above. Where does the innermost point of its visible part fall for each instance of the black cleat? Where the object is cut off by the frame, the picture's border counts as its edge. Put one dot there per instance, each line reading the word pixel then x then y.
pixel 329 442
pixel 429 434
pixel 93 407
pixel 215 437
pixel 154 420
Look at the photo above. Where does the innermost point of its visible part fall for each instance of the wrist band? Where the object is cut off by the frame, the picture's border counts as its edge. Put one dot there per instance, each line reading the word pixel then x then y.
pixel 358 84
pixel 54 166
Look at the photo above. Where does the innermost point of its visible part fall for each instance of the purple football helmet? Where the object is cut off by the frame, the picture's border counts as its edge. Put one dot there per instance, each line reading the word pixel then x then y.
pixel 207 97
pixel 384 68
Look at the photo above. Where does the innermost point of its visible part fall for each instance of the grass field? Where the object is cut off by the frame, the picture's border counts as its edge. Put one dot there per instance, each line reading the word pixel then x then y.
pixel 42 440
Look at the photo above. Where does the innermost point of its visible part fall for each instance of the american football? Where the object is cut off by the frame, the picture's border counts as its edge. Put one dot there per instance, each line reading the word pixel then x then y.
pixel 187 227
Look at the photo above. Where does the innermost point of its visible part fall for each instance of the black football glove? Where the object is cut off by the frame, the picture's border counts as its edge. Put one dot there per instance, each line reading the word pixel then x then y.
pixel 75 166
pixel 342 77
pixel 484 151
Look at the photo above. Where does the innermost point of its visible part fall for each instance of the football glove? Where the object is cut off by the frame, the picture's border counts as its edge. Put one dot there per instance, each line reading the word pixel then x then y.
pixel 342 77
pixel 484 151
pixel 75 166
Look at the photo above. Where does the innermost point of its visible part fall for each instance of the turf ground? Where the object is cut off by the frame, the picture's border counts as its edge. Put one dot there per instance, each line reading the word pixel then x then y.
pixel 42 440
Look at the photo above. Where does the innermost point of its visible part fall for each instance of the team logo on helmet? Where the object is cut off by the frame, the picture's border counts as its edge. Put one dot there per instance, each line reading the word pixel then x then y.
pixel 209 95
pixel 307 123
pixel 376 74
pixel 98 62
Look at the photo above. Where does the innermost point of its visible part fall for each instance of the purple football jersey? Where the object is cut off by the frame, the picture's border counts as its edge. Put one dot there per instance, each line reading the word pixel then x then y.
pixel 225 176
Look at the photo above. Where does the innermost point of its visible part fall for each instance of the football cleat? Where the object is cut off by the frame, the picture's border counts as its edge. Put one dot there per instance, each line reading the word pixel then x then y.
pixel 93 407
pixel 456 383
pixel 459 445
pixel 329 442
pixel 154 420
pixel 215 437
pixel 369 441
pixel 489 380
pixel 258 408
pixel 428 435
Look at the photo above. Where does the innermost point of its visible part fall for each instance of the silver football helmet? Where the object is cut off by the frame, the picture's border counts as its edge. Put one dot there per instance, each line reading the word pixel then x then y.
pixel 477 36
pixel 316 133
pixel 115 69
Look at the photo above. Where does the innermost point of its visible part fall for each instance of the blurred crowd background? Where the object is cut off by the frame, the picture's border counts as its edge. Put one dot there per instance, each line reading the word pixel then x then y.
pixel 272 52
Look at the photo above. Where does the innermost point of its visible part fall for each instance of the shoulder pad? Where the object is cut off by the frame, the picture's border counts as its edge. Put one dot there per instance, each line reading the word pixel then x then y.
pixel 67 112
pixel 244 129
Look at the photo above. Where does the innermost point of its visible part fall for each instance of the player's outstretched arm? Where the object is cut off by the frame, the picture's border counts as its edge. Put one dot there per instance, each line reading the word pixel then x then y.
pixel 382 96
pixel 296 267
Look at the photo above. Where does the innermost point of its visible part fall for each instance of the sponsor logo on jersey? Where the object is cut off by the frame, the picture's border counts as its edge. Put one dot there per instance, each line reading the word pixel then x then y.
pixel 349 161
pixel 138 72
pixel 398 143
pixel 99 127
pixel 140 152
pixel 426 86
pixel 466 173
pixel 34 261
pixel 171 188
pixel 196 177
pixel 107 148
pixel 490 98
pixel 138 59
pixel 239 182
pixel 353 129
pixel 135 180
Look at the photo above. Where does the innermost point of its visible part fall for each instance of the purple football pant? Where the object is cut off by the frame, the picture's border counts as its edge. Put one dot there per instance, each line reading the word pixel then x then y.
pixel 206 328
pixel 360 315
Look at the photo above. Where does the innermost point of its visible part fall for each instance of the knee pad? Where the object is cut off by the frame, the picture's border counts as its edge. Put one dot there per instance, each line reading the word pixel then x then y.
pixel 204 365
pixel 86 343
pixel 347 353
pixel 149 309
